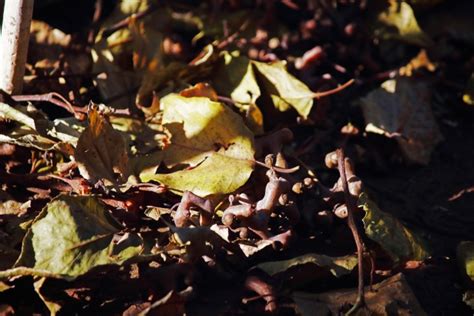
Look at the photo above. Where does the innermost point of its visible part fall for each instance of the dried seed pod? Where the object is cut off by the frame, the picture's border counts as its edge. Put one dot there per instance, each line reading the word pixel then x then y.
pixel 331 160
pixel 308 182
pixel 283 199
pixel 297 188
pixel 341 211
pixel 280 161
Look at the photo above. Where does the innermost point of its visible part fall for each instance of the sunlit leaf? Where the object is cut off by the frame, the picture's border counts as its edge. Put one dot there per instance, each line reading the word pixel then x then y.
pixel 235 77
pixel 53 307
pixel 397 240
pixel 400 16
pixel 338 266
pixel 37 131
pixel 284 89
pixel 212 140
pixel 200 90
pixel 71 236
pixel 465 257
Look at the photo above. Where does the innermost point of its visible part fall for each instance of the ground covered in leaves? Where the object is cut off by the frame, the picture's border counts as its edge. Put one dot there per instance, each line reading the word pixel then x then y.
pixel 223 157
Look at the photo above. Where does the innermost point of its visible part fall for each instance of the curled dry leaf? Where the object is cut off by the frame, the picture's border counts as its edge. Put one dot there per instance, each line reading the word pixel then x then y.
pixel 212 140
pixel 392 296
pixel 101 151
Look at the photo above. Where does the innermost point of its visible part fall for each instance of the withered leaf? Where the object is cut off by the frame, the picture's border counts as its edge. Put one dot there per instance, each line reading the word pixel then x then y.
pixel 402 107
pixel 101 151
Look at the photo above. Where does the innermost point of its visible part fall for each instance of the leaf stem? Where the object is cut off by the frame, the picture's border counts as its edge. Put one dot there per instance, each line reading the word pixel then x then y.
pixel 318 95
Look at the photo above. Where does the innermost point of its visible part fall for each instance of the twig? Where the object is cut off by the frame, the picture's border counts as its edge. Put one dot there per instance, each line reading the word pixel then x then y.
pixel 54 98
pixel 352 208
pixel 95 21
pixel 57 99
pixel 318 95
pixel 124 23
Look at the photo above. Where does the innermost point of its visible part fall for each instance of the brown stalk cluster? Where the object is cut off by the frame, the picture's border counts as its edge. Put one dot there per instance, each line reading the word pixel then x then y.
pixel 249 217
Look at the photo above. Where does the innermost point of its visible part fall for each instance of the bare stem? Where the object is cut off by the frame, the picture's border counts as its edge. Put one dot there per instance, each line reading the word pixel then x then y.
pixel 14 43
pixel 351 208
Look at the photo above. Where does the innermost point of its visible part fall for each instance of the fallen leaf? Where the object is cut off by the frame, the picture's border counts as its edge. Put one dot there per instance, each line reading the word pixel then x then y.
pixel 465 257
pixel 101 151
pixel 200 241
pixel 53 307
pixel 212 140
pixel 400 16
pixel 200 89
pixel 112 57
pixel 392 296
pixel 284 89
pixel 235 77
pixel 402 107
pixel 338 266
pixel 398 241
pixel 252 248
pixel 4 287
pixel 37 131
pixel 71 236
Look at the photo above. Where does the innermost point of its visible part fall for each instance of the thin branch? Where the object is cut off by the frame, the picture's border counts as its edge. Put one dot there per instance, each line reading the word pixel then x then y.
pixel 124 23
pixel 318 95
pixel 352 208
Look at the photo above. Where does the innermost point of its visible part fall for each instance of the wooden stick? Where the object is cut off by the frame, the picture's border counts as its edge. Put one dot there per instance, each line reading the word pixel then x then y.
pixel 14 44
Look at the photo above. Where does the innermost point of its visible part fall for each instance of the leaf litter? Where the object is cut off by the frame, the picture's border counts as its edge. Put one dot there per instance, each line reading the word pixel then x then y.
pixel 204 172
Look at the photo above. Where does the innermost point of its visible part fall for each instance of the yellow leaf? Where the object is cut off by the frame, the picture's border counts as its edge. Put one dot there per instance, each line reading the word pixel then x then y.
pixel 212 140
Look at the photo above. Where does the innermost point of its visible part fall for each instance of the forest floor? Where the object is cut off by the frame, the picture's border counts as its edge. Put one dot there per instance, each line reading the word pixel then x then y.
pixel 219 157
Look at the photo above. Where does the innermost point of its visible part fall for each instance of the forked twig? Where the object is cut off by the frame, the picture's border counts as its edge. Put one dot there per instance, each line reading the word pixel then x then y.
pixel 351 208
pixel 54 98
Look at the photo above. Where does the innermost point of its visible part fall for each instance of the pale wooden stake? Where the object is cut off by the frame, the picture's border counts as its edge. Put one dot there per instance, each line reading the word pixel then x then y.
pixel 14 44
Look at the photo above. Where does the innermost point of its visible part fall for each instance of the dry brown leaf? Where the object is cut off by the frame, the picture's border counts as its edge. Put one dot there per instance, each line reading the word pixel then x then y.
pixel 200 89
pixel 389 297
pixel 101 151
